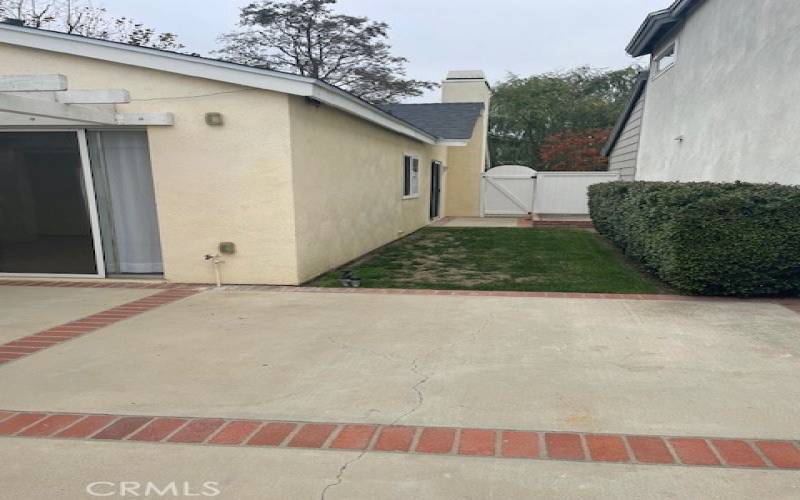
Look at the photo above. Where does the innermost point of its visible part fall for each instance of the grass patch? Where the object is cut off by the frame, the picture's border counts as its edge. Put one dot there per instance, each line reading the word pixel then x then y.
pixel 551 260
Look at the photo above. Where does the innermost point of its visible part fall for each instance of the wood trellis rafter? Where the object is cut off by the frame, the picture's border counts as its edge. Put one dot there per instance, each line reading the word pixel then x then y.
pixel 24 99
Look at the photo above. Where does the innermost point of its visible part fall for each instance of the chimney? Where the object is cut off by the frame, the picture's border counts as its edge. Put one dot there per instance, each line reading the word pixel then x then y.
pixel 466 86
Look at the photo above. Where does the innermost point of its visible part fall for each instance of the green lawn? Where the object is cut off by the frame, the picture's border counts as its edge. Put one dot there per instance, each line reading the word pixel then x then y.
pixel 548 260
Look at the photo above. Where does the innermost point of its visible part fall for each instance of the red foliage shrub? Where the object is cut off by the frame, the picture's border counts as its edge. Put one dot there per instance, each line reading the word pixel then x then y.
pixel 578 151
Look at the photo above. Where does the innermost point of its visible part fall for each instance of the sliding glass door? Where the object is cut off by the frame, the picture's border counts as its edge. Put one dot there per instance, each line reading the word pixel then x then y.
pixel 48 222
pixel 123 182
pixel 77 203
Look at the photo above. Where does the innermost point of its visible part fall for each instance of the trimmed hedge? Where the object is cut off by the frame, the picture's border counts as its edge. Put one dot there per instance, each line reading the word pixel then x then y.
pixel 706 239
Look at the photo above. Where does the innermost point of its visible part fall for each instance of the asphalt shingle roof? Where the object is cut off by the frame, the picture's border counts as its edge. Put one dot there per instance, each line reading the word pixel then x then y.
pixel 450 121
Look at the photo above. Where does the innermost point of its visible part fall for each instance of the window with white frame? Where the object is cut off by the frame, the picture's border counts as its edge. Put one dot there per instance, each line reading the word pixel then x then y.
pixel 410 176
pixel 665 59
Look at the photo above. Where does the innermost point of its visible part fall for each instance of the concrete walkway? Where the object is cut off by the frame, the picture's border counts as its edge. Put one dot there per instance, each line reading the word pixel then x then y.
pixel 669 368
pixel 478 222
pixel 38 469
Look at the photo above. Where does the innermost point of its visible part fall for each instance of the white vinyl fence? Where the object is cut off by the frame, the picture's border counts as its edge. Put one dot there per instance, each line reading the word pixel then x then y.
pixel 567 193
pixel 513 190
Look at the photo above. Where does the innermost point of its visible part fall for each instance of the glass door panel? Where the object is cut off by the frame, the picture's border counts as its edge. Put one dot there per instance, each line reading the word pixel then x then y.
pixel 45 224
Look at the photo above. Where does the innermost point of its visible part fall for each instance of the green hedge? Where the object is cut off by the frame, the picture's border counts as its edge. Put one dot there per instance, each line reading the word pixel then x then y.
pixel 706 239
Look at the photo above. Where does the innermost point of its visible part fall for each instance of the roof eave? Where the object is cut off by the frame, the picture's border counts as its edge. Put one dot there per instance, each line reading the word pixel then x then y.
pixel 210 69
pixel 657 23
pixel 619 127
pixel 452 142
pixel 654 24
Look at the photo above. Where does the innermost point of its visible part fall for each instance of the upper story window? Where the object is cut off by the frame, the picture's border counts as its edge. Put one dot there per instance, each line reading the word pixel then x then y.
pixel 410 176
pixel 665 59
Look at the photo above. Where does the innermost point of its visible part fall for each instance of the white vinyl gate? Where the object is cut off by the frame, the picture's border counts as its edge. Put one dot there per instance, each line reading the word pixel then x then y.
pixel 513 190
pixel 508 190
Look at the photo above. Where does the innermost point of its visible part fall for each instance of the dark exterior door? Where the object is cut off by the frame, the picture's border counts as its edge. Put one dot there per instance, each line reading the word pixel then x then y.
pixel 436 188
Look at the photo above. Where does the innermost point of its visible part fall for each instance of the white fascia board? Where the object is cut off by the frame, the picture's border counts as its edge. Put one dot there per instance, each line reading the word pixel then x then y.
pixel 209 69
pixel 10 103
pixel 452 143
pixel 169 62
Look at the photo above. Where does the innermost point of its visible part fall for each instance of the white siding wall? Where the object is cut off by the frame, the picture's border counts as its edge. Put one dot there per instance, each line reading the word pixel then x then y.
pixel 625 154
pixel 732 95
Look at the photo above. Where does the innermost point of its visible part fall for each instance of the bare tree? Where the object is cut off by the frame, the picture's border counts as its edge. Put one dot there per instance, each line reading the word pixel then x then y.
pixel 306 37
pixel 83 17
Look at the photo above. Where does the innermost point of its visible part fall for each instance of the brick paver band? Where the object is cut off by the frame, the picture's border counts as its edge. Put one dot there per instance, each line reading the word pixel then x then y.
pixel 56 335
pixel 445 441
pixel 790 303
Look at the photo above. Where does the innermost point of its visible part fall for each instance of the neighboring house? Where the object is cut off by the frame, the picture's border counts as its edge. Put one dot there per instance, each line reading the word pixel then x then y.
pixel 293 175
pixel 720 103
pixel 622 148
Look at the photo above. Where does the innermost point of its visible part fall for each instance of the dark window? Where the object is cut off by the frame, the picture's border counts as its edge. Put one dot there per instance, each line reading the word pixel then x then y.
pixel 410 177
pixel 407 176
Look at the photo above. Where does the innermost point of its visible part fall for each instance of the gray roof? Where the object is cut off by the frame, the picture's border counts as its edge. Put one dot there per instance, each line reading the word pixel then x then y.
pixel 449 121
pixel 659 23
pixel 641 84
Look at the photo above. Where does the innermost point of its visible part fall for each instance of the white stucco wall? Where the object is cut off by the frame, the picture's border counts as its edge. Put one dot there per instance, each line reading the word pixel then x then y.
pixel 733 94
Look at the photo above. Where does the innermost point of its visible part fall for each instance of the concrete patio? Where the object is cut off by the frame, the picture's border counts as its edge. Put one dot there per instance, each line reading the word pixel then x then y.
pixel 37 468
pixel 647 367
pixel 478 222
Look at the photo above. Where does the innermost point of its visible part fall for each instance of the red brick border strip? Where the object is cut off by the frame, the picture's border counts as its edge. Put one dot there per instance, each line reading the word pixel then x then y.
pixel 467 442
pixel 791 304
pixel 97 284
pixel 45 339
pixel 555 224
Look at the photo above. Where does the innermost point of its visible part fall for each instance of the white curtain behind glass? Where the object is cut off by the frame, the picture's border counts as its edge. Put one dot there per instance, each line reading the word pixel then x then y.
pixel 125 158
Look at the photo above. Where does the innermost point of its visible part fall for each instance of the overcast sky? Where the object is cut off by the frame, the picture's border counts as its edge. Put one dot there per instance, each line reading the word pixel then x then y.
pixel 498 36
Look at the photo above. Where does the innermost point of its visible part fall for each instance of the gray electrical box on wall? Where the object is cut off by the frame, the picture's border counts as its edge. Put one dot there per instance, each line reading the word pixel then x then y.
pixel 227 248
pixel 214 119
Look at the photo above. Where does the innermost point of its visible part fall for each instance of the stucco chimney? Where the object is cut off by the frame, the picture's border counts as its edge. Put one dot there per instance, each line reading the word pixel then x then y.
pixel 466 86
pixel 467 163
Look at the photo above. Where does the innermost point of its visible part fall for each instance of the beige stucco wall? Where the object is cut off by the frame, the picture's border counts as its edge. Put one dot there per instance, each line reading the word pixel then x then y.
pixel 464 169
pixel 467 163
pixel 212 184
pixel 348 182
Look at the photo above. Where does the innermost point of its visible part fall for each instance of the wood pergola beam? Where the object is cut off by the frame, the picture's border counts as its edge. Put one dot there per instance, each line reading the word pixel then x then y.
pixel 10 103
pixel 93 97
pixel 33 83
pixel 79 114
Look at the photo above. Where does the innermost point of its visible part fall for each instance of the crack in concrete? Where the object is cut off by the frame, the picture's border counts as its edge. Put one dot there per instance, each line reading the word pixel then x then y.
pixel 417 388
pixel 420 401
pixel 340 474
